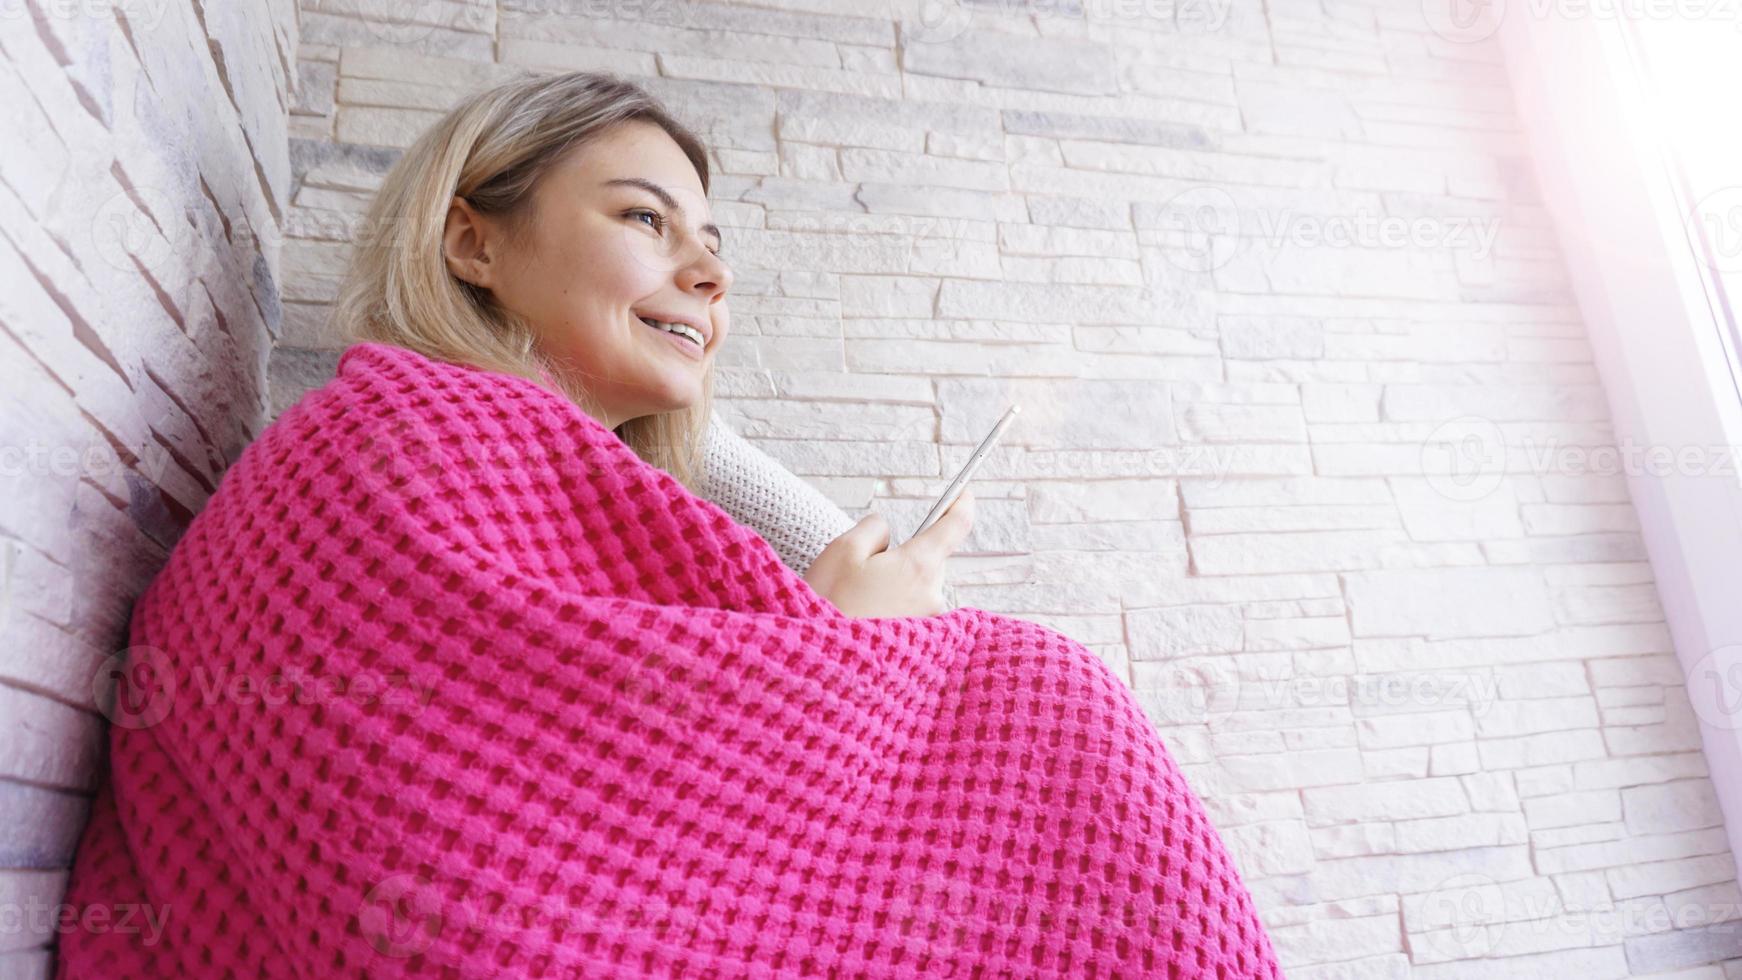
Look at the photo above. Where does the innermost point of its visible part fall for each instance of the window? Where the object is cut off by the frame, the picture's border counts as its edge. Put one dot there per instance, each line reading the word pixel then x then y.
pixel 1689 68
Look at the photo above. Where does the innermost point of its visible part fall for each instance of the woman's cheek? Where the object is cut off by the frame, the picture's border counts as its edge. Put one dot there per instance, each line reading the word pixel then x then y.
pixel 649 257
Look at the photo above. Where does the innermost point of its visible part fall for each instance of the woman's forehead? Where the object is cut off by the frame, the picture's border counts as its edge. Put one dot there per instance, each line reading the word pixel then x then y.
pixel 631 151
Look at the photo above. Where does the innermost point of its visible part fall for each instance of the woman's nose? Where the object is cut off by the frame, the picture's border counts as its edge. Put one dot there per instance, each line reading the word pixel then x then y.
pixel 708 275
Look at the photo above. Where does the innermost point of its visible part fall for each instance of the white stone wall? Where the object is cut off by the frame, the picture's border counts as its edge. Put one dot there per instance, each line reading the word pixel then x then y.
pixel 1311 442
pixel 143 182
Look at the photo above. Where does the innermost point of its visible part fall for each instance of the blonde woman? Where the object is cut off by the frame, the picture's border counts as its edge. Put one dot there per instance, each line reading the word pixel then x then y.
pixel 576 209
pixel 457 674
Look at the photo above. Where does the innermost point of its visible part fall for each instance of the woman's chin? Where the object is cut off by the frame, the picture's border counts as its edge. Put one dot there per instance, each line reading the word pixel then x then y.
pixel 673 399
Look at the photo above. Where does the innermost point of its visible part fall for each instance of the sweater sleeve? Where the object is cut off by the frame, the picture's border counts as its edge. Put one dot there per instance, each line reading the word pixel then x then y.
pixel 790 514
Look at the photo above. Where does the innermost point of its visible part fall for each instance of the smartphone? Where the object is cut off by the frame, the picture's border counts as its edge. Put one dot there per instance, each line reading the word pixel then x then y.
pixel 956 486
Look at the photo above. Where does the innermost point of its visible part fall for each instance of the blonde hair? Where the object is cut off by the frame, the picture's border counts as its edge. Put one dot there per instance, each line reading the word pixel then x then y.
pixel 492 148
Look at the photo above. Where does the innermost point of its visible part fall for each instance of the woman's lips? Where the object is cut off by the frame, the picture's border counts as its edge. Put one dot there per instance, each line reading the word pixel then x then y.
pixel 684 344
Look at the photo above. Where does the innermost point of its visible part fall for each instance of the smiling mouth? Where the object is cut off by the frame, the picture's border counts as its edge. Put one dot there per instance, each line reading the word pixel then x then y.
pixel 680 334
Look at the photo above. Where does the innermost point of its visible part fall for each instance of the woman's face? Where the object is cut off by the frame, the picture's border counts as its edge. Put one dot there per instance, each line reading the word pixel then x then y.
pixel 621 231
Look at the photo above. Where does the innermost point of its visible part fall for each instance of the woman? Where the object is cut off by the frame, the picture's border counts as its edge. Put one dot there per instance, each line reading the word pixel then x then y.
pixel 582 212
pixel 456 675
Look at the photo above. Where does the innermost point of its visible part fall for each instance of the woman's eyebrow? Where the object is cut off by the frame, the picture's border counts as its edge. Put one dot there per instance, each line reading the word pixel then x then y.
pixel 665 198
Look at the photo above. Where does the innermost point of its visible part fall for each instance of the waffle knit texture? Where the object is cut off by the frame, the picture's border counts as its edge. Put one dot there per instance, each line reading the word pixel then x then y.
pixel 446 681
pixel 795 518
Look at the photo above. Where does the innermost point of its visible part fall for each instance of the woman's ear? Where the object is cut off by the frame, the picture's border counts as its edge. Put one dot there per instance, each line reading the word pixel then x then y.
pixel 468 244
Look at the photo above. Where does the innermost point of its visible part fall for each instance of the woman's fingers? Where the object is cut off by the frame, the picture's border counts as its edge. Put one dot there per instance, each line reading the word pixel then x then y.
pixel 869 536
pixel 943 538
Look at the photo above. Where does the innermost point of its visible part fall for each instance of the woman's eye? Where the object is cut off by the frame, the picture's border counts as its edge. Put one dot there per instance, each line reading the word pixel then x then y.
pixel 659 222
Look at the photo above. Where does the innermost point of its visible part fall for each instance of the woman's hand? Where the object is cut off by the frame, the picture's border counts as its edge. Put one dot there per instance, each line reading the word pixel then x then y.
pixel 862 576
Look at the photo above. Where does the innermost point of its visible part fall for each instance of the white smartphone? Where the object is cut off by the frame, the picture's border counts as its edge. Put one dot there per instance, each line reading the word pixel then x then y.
pixel 956 486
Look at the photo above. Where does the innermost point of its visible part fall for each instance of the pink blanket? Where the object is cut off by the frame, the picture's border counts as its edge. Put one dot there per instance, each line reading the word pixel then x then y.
pixel 446 681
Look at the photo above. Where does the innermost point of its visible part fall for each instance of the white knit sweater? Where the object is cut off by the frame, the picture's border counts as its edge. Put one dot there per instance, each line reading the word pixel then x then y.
pixel 790 514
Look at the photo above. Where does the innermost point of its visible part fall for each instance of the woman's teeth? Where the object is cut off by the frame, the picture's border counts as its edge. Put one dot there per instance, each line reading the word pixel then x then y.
pixel 681 329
